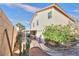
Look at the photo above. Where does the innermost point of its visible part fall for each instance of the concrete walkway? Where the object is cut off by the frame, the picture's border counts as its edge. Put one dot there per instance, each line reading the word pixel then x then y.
pixel 37 49
pixel 34 43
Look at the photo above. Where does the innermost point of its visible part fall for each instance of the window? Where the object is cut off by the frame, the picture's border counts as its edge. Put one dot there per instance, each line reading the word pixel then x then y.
pixel 37 23
pixel 50 15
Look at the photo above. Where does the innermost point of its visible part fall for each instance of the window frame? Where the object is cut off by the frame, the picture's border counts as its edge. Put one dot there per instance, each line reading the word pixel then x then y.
pixel 49 14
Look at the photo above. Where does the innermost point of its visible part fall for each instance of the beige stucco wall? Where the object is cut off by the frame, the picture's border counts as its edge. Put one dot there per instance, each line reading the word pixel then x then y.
pixel 42 17
pixel 59 18
pixel 6 24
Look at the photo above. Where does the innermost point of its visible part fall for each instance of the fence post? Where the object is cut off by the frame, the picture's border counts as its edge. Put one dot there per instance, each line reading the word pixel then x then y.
pixel 8 41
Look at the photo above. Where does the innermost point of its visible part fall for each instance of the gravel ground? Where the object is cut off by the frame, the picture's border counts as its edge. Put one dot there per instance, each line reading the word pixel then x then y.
pixel 70 52
pixel 65 52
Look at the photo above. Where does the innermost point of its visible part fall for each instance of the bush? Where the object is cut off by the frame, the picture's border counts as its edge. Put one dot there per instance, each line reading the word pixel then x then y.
pixel 59 33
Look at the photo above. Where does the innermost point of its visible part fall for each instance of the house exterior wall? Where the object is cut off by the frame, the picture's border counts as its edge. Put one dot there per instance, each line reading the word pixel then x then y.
pixel 59 18
pixel 42 17
pixel 6 24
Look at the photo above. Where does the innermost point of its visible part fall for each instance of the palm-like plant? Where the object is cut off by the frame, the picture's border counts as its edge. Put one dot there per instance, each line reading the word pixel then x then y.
pixel 20 26
pixel 19 36
pixel 19 40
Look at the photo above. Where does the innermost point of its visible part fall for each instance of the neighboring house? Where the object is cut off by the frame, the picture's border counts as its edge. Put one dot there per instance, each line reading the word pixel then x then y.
pixel 47 16
pixel 6 24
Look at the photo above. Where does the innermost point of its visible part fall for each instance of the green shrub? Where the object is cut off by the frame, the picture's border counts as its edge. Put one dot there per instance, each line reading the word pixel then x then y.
pixel 59 33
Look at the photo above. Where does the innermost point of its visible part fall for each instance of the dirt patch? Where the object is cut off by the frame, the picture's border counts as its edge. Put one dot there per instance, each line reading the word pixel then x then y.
pixel 36 51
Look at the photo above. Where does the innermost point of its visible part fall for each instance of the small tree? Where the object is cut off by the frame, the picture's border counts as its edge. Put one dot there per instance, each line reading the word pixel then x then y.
pixel 59 33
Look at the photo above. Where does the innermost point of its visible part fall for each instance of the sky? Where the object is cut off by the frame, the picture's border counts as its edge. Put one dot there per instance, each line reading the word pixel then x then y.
pixel 23 13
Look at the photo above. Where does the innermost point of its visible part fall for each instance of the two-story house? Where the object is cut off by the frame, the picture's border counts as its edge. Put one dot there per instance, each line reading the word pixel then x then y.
pixel 50 15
